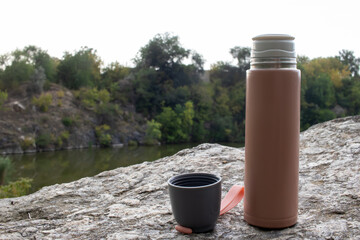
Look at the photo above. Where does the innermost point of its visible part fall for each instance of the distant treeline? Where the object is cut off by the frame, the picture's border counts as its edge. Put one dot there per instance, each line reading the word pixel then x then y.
pixel 171 95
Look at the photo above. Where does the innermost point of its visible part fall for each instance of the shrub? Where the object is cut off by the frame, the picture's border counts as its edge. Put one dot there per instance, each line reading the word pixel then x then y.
pixel 3 98
pixel 89 97
pixel 132 143
pixel 98 101
pixel 43 102
pixel 60 94
pixel 67 121
pixel 27 142
pixel 43 140
pixel 63 137
pixel 103 136
pixel 153 133
pixel 16 189
pixel 59 142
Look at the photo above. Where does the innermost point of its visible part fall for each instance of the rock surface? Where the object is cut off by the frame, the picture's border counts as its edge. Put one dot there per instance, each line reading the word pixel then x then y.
pixel 133 202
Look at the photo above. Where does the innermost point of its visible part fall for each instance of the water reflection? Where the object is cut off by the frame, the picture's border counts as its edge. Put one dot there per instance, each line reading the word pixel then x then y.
pixel 49 168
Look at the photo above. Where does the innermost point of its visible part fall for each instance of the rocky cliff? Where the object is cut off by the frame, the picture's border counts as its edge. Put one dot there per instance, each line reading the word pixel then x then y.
pixel 133 202
pixel 67 124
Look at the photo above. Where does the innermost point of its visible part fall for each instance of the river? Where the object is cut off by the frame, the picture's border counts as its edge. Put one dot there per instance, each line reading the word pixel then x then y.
pixel 48 168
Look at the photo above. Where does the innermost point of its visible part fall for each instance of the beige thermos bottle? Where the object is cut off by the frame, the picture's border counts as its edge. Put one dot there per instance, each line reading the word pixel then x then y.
pixel 272 133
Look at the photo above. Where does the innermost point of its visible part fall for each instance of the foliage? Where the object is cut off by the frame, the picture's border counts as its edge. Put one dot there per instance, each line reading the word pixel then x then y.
pixel 350 61
pixel 92 98
pixel 160 72
pixel 68 121
pixel 162 52
pixel 99 102
pixel 3 98
pixel 41 59
pixel 176 125
pixel 170 90
pixel 81 69
pixel 29 64
pixel 18 72
pixel 44 140
pixel 321 91
pixel 27 142
pixel 111 75
pixel 132 143
pixel 332 67
pixel 62 138
pixel 60 94
pixel 103 136
pixel 43 101
pixel 16 189
pixel 242 54
pixel 153 132
pixel 355 98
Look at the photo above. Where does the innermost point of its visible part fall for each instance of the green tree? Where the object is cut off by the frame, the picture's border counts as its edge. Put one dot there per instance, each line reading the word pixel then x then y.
pixel 188 117
pixel 103 135
pixel 162 52
pixel 18 72
pixel 112 75
pixel 348 59
pixel 153 132
pixel 81 69
pixel 160 74
pixel 41 59
pixel 321 92
pixel 116 79
pixel 170 125
pixel 242 54
pixel 355 98
pixel 201 95
pixel 331 66
pixel 20 66
pixel 226 74
pixel 176 124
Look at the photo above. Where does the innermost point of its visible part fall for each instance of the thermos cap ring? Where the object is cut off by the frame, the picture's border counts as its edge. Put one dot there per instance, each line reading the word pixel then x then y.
pixel 273 48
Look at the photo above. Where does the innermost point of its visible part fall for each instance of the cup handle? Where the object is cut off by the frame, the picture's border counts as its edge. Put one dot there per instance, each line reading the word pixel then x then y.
pixel 231 199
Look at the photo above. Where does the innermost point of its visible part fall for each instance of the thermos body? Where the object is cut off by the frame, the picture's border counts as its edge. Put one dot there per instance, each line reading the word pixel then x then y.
pixel 272 131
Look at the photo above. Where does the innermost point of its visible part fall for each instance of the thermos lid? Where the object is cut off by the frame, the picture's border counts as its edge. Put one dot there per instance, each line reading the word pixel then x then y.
pixel 273 45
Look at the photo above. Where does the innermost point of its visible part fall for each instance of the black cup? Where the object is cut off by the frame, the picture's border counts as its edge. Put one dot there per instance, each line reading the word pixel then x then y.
pixel 195 200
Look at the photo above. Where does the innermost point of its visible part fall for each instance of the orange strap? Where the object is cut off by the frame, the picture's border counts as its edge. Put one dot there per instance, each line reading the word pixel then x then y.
pixel 231 199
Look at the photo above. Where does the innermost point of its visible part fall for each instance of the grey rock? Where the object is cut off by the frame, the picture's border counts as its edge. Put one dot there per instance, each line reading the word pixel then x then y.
pixel 133 202
pixel 338 110
pixel 17 106
pixel 11 149
pixel 117 145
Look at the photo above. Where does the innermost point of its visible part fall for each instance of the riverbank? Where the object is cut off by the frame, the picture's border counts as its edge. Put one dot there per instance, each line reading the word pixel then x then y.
pixel 66 124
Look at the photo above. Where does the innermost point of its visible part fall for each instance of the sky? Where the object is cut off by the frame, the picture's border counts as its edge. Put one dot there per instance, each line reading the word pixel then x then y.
pixel 117 29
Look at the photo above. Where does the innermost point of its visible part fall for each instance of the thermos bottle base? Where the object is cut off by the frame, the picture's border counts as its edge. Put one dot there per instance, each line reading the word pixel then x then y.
pixel 269 223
